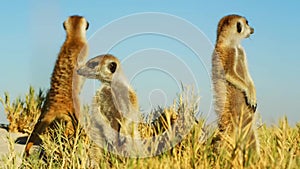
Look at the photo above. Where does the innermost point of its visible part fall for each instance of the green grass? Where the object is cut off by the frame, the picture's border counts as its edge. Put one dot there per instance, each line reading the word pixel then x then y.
pixel 279 148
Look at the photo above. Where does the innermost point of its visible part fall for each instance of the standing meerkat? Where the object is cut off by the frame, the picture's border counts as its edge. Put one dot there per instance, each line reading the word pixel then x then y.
pixel 62 102
pixel 235 95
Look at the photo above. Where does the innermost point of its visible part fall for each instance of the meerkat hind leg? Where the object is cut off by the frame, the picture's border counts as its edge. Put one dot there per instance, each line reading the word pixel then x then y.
pixel 39 128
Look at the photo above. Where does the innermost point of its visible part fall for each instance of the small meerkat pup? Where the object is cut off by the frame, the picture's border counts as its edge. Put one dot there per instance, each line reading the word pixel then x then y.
pixel 62 102
pixel 115 105
pixel 115 109
pixel 234 91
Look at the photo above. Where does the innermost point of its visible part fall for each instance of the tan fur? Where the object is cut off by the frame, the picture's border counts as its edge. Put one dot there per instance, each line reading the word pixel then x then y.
pixel 235 95
pixel 98 68
pixel 62 101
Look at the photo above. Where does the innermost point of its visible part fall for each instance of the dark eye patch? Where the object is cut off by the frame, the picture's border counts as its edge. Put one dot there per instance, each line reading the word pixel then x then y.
pixel 112 67
pixel 247 22
pixel 92 65
pixel 239 27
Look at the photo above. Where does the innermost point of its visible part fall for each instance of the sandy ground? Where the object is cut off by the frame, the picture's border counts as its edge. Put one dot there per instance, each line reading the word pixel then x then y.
pixel 5 137
pixel 17 141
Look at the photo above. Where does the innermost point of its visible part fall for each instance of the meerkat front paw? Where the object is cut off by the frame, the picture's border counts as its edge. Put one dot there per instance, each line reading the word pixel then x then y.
pixel 251 97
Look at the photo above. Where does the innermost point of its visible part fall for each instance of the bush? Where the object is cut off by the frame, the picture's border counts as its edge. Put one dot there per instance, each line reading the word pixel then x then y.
pixel 23 114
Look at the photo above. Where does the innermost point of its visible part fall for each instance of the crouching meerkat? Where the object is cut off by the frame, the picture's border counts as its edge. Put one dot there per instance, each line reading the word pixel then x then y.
pixel 115 108
pixel 234 91
pixel 115 105
pixel 62 102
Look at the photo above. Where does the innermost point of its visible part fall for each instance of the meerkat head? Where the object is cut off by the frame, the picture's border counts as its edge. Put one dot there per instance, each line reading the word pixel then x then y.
pixel 76 25
pixel 102 67
pixel 233 28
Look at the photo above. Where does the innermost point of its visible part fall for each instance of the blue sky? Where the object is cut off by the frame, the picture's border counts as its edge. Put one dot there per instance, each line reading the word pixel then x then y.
pixel 32 33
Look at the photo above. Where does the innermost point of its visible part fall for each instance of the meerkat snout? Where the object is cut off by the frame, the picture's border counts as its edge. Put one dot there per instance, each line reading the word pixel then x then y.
pixel 88 70
pixel 92 64
pixel 251 30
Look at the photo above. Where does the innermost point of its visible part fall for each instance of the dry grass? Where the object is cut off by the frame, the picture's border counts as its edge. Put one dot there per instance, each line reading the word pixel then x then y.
pixel 279 148
pixel 23 114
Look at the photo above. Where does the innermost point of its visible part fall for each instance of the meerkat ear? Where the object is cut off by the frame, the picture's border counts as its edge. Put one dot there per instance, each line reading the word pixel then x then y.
pixel 87 25
pixel 112 67
pixel 239 27
pixel 64 26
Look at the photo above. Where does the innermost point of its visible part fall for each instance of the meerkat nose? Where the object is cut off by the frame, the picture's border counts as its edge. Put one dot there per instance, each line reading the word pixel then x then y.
pixel 79 71
pixel 252 30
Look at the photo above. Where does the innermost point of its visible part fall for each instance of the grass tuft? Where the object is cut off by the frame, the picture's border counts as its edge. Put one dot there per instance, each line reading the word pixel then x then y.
pixel 23 114
pixel 279 144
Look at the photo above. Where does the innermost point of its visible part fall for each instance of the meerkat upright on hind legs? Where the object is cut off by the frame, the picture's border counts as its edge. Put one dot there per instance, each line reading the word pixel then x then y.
pixel 62 101
pixel 235 94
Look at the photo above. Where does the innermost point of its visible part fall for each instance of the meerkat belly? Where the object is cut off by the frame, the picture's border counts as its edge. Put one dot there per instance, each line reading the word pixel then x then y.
pixel 236 107
pixel 236 101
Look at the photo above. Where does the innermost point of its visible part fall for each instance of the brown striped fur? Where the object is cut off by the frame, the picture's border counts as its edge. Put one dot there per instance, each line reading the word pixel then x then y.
pixel 62 103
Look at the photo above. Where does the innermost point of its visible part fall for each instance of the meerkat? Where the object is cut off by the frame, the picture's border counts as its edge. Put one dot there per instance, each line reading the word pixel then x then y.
pixel 62 102
pixel 117 103
pixel 234 90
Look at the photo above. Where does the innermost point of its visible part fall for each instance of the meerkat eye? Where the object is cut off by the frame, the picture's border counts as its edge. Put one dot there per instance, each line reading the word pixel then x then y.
pixel 92 65
pixel 87 25
pixel 247 22
pixel 239 27
pixel 112 67
pixel 64 25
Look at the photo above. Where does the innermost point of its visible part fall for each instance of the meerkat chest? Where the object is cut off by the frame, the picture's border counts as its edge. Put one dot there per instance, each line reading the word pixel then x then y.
pixel 241 62
pixel 104 101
